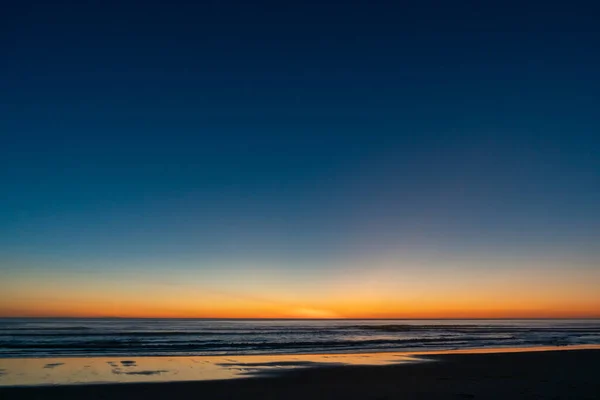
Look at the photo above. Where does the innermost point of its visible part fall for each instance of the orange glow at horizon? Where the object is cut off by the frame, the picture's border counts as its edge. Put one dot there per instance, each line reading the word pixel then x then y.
pixel 120 312
pixel 363 290
pixel 355 308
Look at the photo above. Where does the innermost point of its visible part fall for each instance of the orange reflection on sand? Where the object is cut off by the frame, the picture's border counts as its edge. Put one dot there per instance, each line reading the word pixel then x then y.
pixel 93 370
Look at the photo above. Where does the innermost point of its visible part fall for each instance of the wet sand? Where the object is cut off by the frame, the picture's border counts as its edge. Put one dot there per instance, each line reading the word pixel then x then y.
pixel 526 375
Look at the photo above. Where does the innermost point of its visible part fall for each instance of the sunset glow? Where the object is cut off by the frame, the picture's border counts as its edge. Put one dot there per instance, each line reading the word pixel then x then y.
pixel 511 290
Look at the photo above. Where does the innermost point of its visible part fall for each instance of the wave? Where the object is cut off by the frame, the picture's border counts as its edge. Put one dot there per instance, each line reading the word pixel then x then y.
pixel 33 333
pixel 116 347
pixel 35 338
pixel 472 328
pixel 335 330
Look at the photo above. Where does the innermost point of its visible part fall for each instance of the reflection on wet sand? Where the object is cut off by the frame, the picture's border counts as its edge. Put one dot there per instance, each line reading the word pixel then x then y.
pixel 44 371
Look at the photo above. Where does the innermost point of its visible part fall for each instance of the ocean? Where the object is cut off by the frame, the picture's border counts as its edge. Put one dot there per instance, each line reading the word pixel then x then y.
pixel 75 337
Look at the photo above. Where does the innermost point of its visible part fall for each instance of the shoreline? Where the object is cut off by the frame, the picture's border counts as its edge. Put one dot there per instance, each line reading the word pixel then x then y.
pixel 104 370
pixel 496 349
pixel 548 374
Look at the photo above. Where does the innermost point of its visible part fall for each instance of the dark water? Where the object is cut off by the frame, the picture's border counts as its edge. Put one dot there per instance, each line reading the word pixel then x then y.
pixel 178 337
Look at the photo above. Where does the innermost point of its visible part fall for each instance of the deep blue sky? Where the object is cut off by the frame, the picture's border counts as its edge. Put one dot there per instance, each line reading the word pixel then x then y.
pixel 297 130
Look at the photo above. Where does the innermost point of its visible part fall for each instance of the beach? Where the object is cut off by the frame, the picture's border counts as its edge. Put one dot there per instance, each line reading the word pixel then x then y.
pixel 553 374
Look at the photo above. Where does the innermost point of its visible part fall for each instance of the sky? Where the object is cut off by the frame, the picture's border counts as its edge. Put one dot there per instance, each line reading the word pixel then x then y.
pixel 299 159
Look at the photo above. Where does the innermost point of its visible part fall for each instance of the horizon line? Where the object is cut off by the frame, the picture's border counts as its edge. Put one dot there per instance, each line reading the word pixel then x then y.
pixel 303 319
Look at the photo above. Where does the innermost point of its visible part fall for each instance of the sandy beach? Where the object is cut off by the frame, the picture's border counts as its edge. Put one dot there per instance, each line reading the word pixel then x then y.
pixel 524 375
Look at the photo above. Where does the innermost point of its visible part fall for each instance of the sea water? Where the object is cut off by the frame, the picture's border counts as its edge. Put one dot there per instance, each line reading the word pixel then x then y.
pixel 75 337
